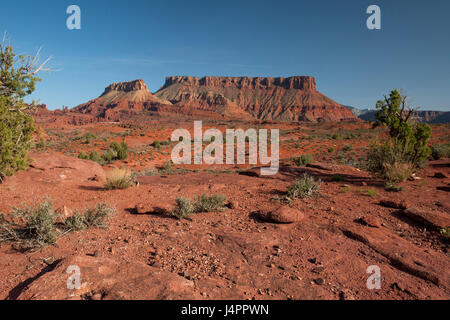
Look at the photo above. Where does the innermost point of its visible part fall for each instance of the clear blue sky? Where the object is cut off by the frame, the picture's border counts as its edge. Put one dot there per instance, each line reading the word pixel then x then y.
pixel 127 40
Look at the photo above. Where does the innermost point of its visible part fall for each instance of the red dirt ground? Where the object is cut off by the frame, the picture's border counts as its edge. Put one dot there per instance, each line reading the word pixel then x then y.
pixel 231 254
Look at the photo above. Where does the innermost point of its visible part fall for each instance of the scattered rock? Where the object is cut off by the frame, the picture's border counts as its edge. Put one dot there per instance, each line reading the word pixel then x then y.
pixel 370 221
pixel 64 212
pixel 434 219
pixel 439 175
pixel 319 281
pixel 233 205
pixel 394 204
pixel 283 214
pixel 142 208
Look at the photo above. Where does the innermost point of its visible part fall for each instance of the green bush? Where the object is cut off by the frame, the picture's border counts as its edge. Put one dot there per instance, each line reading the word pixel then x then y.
pixel 205 203
pixel 156 144
pixel 440 150
pixel 35 227
pixel 96 217
pixel 17 80
pixel 304 187
pixel 184 208
pixel 30 227
pixel 303 160
pixel 407 146
pixel 121 150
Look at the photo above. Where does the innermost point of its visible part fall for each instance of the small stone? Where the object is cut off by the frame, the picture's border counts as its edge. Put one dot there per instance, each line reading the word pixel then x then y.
pixel 319 281
pixel 371 221
pixel 283 214
pixel 439 175
pixel 233 205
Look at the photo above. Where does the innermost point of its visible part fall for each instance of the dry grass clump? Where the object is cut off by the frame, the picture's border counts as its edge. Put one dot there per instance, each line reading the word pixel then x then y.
pixel 185 207
pixel 304 187
pixel 37 226
pixel 397 172
pixel 118 179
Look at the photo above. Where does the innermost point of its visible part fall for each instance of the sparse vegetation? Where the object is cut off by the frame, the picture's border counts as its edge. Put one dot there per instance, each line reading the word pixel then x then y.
pixel 118 179
pixel 17 80
pixel 407 148
pixel 90 218
pixel 303 160
pixel 304 187
pixel 205 203
pixel 185 207
pixel 440 150
pixel 37 226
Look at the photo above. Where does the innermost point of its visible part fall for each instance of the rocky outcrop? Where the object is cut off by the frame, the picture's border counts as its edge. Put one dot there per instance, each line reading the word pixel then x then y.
pixel 282 99
pixel 121 100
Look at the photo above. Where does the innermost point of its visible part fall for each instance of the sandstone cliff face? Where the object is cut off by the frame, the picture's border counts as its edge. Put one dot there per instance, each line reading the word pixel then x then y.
pixel 119 100
pixel 244 98
pixel 282 99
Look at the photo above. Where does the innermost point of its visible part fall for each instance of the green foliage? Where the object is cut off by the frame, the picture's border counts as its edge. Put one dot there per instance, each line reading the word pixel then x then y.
pixel 371 192
pixel 96 217
pixel 121 149
pixel 30 227
pixel 33 227
pixel 185 207
pixel 17 80
pixel 440 150
pixel 303 160
pixel 205 203
pixel 409 139
pixel 156 144
pixel 304 187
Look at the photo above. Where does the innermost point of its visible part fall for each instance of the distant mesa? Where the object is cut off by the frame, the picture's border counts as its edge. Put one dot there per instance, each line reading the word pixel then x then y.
pixel 291 99
pixel 244 98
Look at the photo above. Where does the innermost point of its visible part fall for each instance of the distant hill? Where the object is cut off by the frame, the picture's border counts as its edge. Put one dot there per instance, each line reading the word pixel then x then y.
pixel 426 116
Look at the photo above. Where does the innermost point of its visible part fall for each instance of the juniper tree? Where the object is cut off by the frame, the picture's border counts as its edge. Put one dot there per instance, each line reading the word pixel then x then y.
pixel 17 80
pixel 408 143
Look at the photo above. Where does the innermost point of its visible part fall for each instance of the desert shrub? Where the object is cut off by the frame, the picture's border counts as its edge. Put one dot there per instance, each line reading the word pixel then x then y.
pixel 331 149
pixel 30 227
pixel 392 187
pixel 121 150
pixel 156 144
pixel 37 226
pixel 118 179
pixel 371 193
pixel 303 160
pixel 304 187
pixel 96 217
pixel 17 80
pixel 205 203
pixel 408 140
pixel 110 155
pixel 88 137
pixel 397 172
pixel 347 147
pixel 335 136
pixel 440 150
pixel 184 208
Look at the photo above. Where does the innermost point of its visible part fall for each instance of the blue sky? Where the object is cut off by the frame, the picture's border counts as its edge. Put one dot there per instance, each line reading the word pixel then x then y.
pixel 127 40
